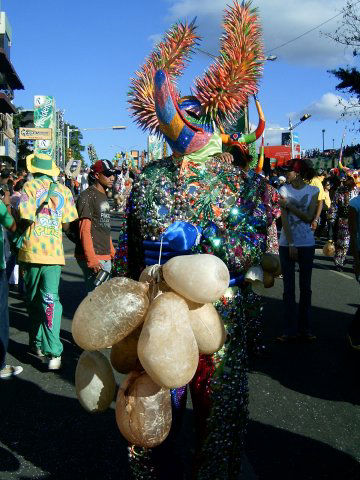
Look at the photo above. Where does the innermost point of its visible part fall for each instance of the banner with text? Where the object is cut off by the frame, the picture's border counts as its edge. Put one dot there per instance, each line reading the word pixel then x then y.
pixel 45 117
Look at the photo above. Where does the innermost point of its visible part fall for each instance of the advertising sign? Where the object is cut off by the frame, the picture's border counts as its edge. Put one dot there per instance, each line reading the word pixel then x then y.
pixel 72 169
pixel 155 148
pixel 281 153
pixel 45 117
pixel 35 133
pixel 286 138
pixel 10 149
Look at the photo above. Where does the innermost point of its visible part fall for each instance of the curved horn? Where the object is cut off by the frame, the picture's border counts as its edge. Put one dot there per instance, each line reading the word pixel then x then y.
pixel 183 137
pixel 252 137
pixel 260 164
pixel 247 138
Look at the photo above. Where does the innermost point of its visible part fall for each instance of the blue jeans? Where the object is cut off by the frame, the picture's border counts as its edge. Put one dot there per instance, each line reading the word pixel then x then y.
pixel 4 317
pixel 297 324
pixel 89 275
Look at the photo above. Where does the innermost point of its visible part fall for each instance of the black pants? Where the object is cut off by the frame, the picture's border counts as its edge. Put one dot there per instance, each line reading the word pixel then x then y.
pixel 297 323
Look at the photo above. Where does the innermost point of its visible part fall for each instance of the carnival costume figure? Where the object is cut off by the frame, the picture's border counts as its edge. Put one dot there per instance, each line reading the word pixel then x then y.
pixel 195 202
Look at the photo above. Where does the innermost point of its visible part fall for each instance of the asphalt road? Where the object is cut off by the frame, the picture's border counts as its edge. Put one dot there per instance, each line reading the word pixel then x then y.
pixel 304 399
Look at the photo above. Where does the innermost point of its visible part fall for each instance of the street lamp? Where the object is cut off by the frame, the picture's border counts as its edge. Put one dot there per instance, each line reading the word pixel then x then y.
pixel 69 130
pixel 292 127
pixel 271 58
pixel 323 138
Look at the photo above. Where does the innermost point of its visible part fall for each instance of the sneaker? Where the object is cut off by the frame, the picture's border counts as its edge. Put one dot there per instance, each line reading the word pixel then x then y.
pixel 54 363
pixel 10 371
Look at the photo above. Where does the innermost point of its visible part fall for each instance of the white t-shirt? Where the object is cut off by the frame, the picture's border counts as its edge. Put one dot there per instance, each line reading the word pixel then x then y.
pixel 301 232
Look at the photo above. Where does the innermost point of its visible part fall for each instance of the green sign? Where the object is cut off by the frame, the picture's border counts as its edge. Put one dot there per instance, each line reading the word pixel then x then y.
pixel 44 117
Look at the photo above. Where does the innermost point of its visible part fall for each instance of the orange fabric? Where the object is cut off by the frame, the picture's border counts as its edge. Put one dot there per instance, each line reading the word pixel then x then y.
pixel 85 237
pixel 112 249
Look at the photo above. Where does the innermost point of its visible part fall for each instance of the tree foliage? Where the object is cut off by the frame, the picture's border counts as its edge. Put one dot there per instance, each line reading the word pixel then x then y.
pixel 25 147
pixel 75 142
pixel 348 33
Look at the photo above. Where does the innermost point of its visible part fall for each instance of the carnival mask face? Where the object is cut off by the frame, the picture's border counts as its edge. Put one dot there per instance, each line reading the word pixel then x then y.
pixel 179 123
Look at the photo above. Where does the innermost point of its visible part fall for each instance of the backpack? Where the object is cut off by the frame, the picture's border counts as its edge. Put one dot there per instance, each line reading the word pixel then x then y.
pixel 73 233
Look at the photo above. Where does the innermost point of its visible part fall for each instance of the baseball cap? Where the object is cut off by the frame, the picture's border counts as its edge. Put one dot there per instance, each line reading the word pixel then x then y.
pixel 295 164
pixel 104 166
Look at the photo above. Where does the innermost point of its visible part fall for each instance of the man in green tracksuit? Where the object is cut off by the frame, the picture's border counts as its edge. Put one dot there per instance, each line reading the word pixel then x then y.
pixel 42 254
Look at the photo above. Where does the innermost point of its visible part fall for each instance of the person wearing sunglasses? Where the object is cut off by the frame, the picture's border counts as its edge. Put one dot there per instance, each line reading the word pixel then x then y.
pixel 94 249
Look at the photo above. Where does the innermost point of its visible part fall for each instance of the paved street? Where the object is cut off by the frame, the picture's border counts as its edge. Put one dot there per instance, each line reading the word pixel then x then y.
pixel 304 399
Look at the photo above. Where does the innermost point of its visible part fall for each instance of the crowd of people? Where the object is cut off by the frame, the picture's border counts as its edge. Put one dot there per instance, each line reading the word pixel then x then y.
pixel 36 207
pixel 328 198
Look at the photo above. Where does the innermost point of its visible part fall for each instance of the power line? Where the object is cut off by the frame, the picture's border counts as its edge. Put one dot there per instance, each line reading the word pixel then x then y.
pixel 289 41
pixel 311 30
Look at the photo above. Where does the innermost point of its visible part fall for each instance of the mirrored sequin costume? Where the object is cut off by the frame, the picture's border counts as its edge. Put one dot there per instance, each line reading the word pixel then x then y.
pixel 228 206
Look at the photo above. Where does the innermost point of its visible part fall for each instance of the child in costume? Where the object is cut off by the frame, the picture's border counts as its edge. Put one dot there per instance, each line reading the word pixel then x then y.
pixel 196 202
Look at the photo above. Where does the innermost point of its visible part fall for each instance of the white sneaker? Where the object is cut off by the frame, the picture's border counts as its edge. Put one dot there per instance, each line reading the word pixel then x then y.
pixel 10 371
pixel 54 363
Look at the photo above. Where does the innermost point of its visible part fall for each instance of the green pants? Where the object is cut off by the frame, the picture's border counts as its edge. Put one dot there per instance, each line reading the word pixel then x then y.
pixel 44 307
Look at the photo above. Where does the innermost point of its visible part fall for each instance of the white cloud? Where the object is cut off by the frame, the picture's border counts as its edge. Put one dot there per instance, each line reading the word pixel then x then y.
pixel 328 107
pixel 155 38
pixel 273 133
pixel 282 21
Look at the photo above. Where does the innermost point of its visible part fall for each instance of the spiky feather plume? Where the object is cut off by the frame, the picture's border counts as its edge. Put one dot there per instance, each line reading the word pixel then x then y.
pixel 226 85
pixel 171 55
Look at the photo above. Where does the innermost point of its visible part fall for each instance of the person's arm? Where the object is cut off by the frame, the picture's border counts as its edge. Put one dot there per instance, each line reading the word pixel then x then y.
pixel 353 240
pixel 7 201
pixel 319 207
pixel 307 216
pixel 6 220
pixel 112 249
pixel 87 244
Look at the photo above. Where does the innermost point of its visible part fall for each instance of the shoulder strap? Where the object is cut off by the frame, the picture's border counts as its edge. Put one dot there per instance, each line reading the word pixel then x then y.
pixel 47 199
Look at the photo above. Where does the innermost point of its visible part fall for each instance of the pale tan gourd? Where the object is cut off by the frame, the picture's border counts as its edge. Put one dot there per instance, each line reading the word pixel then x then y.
pixel 110 313
pixel 167 348
pixel 124 357
pixel 94 382
pixel 143 411
pixel 200 278
pixel 208 327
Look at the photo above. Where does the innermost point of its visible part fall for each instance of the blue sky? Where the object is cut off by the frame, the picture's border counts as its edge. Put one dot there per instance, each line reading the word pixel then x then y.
pixel 84 53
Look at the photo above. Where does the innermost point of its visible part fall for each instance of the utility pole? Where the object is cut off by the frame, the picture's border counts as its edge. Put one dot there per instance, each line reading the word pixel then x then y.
pixel 323 138
pixel 291 128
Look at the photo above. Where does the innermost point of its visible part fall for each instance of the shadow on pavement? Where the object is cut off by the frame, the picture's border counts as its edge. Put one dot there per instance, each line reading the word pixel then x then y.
pixel 56 435
pixel 8 462
pixel 286 455
pixel 324 369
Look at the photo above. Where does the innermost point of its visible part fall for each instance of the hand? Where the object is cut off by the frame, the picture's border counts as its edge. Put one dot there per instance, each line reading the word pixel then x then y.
pixel 314 225
pixel 94 265
pixel 283 202
pixel 227 158
pixel 293 253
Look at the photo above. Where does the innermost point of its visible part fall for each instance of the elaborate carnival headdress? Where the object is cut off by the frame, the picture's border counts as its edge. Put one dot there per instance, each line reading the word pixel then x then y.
pixel 188 123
